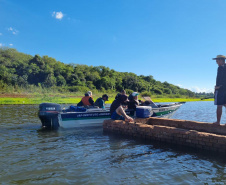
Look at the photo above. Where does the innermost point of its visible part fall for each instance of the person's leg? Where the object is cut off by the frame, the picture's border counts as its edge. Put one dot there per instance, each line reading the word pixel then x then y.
pixel 219 113
pixel 121 112
pixel 116 116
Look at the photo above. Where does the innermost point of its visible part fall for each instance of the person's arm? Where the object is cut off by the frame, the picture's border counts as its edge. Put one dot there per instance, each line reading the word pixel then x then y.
pixel 80 103
pixel 91 101
pixel 136 102
pixel 121 112
pixel 101 103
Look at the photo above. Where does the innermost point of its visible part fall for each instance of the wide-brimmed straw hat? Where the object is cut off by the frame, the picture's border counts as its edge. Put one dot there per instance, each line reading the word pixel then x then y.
pixel 219 57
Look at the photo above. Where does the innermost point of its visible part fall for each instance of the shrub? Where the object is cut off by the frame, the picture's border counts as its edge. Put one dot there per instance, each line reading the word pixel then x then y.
pixel 129 91
pixel 78 89
pixel 174 96
pixel 145 93
pixel 177 96
pixel 167 91
pixel 102 89
pixel 157 91
pixel 159 96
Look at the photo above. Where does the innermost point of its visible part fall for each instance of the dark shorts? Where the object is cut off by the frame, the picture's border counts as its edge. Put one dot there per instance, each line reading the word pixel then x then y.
pixel 219 98
pixel 115 116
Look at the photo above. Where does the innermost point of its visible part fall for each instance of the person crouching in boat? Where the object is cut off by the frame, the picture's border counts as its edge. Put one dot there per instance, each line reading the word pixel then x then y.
pixel 117 111
pixel 87 100
pixel 100 102
pixel 133 102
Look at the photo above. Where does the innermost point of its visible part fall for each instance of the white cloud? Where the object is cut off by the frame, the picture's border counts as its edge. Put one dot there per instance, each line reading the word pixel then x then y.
pixel 198 90
pixel 58 15
pixel 179 85
pixel 1 44
pixel 13 30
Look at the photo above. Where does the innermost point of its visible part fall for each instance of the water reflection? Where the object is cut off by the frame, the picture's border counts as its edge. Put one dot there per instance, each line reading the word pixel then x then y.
pixel 89 156
pixel 199 111
pixel 169 164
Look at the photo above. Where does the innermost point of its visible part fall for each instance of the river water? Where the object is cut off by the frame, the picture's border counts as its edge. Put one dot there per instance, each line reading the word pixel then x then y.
pixel 89 156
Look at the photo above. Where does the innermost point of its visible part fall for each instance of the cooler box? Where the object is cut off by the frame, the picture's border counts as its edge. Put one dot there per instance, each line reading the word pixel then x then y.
pixel 144 111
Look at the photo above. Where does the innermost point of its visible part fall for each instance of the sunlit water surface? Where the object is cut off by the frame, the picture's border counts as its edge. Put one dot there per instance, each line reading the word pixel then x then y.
pixel 89 156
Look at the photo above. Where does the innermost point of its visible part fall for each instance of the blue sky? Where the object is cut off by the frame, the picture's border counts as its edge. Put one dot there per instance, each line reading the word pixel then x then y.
pixel 173 41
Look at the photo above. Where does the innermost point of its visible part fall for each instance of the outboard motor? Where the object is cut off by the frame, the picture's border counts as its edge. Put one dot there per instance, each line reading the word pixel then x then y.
pixel 48 114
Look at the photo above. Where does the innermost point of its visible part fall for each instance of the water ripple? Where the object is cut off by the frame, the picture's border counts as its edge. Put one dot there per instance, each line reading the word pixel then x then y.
pixel 87 156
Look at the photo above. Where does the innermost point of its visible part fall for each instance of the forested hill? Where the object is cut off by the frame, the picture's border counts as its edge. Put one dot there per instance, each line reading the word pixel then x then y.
pixel 19 69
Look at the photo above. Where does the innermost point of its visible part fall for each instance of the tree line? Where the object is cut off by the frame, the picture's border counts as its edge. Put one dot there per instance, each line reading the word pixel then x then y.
pixel 19 69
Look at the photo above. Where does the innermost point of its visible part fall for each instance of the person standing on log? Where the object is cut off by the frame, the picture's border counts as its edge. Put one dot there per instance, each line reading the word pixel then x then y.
pixel 220 88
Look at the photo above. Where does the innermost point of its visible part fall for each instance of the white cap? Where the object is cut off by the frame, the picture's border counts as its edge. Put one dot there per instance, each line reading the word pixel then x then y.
pixel 89 93
pixel 135 94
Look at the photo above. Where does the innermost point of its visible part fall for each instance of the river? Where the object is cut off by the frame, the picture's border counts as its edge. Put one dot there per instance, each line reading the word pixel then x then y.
pixel 89 156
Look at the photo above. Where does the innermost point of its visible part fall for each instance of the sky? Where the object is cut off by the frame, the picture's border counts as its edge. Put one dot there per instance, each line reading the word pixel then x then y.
pixel 173 41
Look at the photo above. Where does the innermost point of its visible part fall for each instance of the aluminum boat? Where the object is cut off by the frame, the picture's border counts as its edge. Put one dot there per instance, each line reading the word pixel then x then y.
pixel 53 116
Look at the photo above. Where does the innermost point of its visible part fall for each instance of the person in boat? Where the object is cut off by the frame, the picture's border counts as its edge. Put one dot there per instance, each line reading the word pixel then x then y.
pixel 100 102
pixel 122 92
pixel 117 111
pixel 133 102
pixel 220 88
pixel 87 100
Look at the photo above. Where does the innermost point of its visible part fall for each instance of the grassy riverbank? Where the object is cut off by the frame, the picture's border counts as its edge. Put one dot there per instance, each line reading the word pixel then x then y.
pixel 7 99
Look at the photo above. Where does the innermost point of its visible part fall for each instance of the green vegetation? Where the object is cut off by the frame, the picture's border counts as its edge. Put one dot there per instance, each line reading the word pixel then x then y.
pixel 74 100
pixel 43 79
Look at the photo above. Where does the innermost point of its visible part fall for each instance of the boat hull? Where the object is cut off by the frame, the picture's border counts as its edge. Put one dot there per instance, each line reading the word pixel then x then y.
pixel 75 119
pixel 68 120
pixel 82 123
pixel 159 112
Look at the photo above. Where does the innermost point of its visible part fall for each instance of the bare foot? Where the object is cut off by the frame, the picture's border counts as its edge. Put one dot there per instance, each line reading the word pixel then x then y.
pixel 216 123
